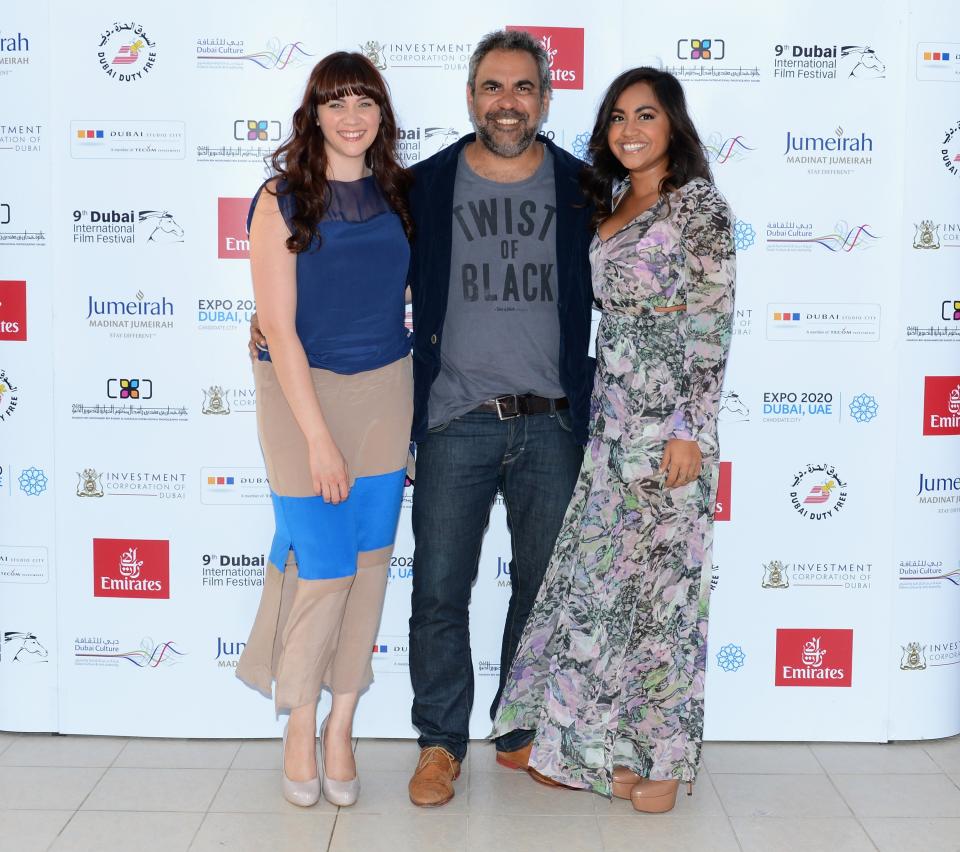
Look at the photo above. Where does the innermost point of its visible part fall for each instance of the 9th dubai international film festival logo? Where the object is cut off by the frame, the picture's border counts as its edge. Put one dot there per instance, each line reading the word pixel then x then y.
pixel 126 52
pixel 818 492
pixel 950 149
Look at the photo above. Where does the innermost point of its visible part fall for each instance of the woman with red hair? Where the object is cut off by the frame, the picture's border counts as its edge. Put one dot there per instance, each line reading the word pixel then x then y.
pixel 329 253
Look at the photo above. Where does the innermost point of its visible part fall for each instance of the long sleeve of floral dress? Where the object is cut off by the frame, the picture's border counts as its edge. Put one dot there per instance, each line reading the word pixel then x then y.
pixel 707 287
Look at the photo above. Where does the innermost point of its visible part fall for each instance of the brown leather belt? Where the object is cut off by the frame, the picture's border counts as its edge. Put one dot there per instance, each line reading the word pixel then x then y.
pixel 511 405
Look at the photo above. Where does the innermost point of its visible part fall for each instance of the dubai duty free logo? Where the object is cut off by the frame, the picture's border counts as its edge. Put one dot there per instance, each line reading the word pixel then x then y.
pixel 950 149
pixel 818 492
pixel 126 52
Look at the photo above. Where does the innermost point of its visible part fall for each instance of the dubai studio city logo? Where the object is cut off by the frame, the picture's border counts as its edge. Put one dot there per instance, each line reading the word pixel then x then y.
pixel 131 568
pixel 950 149
pixel 127 140
pixel 827 62
pixel 228 54
pixel 818 492
pixel 126 52
pixel 814 657
pixel 109 652
pixel 564 48
pixel 938 60
pixel 23 564
pixel 941 405
pixel 721 149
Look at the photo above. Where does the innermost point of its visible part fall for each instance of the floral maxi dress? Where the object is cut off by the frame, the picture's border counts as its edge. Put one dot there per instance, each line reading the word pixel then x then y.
pixel 610 668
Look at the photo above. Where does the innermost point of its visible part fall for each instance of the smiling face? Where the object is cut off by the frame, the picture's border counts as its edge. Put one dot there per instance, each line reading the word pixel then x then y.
pixel 639 131
pixel 508 106
pixel 349 126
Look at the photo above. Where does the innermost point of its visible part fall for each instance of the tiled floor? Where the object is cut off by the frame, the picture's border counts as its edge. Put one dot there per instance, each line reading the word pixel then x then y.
pixel 72 794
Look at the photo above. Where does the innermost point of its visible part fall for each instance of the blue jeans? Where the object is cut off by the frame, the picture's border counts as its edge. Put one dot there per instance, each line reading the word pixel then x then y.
pixel 534 461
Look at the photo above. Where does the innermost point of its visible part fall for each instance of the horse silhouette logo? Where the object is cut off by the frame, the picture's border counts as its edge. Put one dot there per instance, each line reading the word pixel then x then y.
pixel 866 63
pixel 20 647
pixel 914 659
pixel 161 226
pixel 733 409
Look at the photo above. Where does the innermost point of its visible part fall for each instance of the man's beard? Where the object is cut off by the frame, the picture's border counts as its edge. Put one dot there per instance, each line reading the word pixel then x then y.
pixel 485 133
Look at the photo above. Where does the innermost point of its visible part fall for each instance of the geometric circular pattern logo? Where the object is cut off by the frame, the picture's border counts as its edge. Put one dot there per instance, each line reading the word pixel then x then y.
pixel 33 481
pixel 126 53
pixel 818 492
pixel 863 408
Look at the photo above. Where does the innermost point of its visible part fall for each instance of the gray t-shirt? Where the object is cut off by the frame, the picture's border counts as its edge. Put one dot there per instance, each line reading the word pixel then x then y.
pixel 501 334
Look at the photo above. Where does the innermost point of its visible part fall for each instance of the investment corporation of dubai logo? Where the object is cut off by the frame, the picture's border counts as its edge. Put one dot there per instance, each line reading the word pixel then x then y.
pixel 723 508
pixel 110 652
pixel 818 492
pixel 8 396
pixel 827 62
pixel 13 310
pixel 941 405
pixel 21 138
pixel 564 47
pixel 849 576
pixel 229 54
pixel 218 400
pixel 918 656
pixel 126 52
pixel 447 55
pixel 160 484
pixel 131 568
pixel 22 648
pixel 731 658
pixel 814 657
pixel 931 236
pixel 233 239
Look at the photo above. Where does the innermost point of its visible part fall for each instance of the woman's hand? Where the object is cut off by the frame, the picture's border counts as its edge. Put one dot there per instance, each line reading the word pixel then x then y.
pixel 328 469
pixel 682 461
pixel 257 340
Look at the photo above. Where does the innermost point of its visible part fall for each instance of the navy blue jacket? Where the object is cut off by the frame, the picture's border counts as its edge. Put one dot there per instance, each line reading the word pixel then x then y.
pixel 431 204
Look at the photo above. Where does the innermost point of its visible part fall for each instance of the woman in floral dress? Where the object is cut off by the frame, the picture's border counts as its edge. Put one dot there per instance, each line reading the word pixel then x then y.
pixel 610 669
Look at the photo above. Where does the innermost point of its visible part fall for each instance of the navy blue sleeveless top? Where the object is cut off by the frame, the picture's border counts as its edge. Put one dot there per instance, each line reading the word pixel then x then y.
pixel 351 281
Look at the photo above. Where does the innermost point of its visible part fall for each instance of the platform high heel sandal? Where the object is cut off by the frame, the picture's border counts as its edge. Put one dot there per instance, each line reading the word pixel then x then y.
pixel 656 797
pixel 624 780
pixel 339 793
pixel 301 793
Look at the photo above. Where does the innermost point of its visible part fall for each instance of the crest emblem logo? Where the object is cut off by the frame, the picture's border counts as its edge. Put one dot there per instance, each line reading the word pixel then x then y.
pixel 214 401
pixel 927 235
pixel 775 576
pixel 914 658
pixel 89 483
pixel 373 50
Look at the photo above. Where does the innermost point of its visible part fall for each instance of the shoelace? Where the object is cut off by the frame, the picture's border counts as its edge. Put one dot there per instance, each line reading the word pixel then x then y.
pixel 427 755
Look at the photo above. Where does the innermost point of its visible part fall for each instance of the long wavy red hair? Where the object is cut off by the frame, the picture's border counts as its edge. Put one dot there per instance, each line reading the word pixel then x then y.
pixel 301 161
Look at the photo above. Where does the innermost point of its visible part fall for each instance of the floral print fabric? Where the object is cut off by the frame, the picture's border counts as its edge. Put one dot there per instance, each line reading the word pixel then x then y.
pixel 610 669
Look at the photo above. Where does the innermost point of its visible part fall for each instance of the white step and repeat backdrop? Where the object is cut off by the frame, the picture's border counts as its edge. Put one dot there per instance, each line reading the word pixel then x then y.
pixel 134 513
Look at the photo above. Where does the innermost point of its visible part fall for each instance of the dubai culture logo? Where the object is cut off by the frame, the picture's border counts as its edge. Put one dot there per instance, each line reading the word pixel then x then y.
pixel 126 52
pixel 720 149
pixel 220 53
pixel 818 492
pixel 844 239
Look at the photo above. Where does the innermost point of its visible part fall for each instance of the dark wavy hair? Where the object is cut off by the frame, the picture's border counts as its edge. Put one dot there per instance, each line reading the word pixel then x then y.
pixel 685 157
pixel 301 161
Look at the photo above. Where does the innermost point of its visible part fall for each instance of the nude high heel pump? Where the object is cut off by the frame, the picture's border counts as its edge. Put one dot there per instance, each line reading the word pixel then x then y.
pixel 300 793
pixel 624 780
pixel 656 797
pixel 340 793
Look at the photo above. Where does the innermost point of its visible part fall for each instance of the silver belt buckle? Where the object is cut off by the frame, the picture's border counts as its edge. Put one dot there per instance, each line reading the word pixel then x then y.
pixel 498 402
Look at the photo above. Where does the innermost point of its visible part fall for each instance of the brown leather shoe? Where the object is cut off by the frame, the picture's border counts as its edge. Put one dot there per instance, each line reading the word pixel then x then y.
pixel 432 781
pixel 655 797
pixel 515 759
